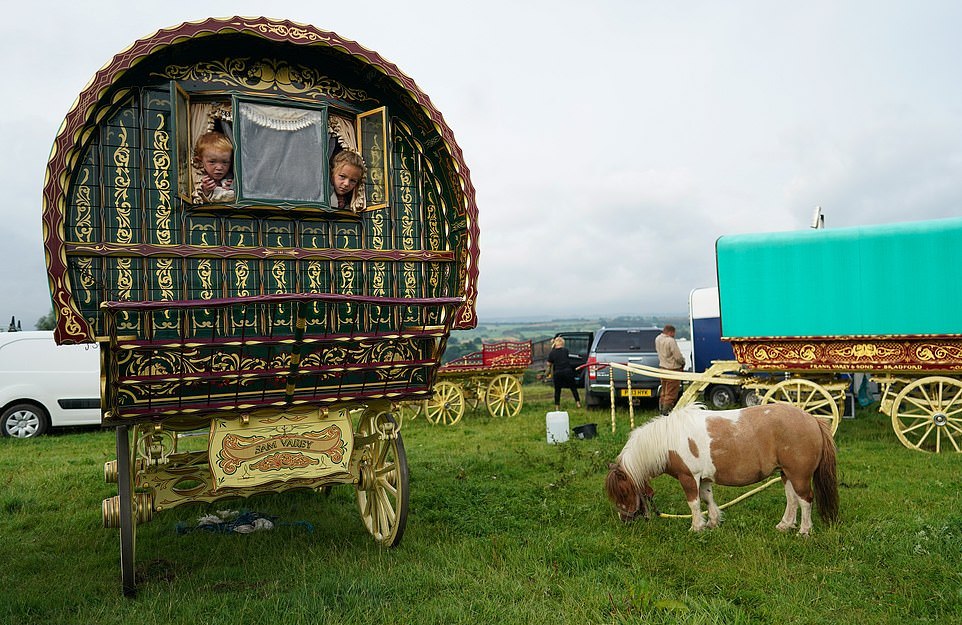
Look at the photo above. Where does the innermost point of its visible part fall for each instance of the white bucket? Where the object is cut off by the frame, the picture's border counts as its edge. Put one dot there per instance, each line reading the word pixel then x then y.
pixel 557 425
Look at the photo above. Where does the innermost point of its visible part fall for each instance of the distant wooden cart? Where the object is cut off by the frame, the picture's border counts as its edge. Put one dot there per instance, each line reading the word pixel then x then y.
pixel 491 376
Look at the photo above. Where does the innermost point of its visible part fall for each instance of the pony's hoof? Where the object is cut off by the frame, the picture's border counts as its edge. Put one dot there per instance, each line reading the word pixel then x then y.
pixel 784 527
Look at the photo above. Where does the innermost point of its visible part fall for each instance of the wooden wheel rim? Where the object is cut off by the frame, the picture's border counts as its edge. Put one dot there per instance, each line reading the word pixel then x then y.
pixel 927 415
pixel 128 523
pixel 807 395
pixel 446 405
pixel 504 396
pixel 382 493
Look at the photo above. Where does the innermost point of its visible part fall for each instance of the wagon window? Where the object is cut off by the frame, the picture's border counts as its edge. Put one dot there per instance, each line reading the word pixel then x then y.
pixel 282 152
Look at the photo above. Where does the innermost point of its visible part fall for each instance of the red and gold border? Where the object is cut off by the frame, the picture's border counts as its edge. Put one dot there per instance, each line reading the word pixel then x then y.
pixel 851 354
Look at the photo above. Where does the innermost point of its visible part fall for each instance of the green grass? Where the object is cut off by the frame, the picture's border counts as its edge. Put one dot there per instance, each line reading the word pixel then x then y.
pixel 503 528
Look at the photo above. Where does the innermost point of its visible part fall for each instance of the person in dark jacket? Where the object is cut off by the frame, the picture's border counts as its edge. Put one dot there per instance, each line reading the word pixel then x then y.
pixel 561 372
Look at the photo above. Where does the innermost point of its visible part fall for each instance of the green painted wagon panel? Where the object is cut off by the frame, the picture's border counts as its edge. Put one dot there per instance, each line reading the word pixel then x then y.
pixel 889 280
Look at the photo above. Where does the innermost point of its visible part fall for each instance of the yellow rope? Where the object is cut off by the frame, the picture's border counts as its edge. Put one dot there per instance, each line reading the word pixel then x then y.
pixel 755 490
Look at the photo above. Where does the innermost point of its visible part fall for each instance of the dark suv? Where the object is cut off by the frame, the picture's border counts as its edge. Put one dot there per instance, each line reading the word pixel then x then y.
pixel 626 346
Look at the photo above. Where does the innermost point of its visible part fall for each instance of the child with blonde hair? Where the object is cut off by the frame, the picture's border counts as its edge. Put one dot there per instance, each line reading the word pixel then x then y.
pixel 213 154
pixel 347 171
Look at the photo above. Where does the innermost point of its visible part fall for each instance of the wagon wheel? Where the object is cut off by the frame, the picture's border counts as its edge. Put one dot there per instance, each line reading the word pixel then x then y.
pixel 411 409
pixel 473 392
pixel 928 413
pixel 127 512
pixel 382 488
pixel 807 395
pixel 446 405
pixel 504 396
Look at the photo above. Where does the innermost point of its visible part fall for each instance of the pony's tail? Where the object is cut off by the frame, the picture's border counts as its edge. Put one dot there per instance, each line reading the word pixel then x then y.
pixel 825 479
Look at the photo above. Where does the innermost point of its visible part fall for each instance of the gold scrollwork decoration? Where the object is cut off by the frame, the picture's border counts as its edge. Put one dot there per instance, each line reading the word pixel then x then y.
pixel 83 228
pixel 121 160
pixel 266 75
pixel 161 159
pixel 938 352
pixel 863 351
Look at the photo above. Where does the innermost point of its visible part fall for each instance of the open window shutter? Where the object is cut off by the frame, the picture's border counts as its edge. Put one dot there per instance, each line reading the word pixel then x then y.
pixel 183 150
pixel 372 142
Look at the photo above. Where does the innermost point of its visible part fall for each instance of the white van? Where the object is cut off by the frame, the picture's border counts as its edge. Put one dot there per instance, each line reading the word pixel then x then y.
pixel 44 385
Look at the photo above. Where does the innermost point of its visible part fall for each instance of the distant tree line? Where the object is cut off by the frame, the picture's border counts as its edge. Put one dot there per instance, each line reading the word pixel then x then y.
pixel 47 322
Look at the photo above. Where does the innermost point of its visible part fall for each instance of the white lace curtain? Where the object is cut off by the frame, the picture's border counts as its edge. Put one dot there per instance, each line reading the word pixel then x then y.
pixel 280 149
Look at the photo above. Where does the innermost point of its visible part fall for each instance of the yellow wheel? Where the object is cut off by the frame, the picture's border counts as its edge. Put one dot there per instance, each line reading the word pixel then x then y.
pixel 807 395
pixel 927 415
pixel 504 396
pixel 473 391
pixel 382 488
pixel 410 409
pixel 446 405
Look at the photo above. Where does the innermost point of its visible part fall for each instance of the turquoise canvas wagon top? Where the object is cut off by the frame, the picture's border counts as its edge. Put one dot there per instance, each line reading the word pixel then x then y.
pixel 886 281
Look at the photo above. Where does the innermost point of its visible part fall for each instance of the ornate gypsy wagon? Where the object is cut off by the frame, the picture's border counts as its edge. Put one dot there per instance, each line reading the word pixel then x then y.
pixel 875 299
pixel 284 312
pixel 804 309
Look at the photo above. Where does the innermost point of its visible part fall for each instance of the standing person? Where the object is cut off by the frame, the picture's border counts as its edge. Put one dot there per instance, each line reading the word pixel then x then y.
pixel 669 357
pixel 561 372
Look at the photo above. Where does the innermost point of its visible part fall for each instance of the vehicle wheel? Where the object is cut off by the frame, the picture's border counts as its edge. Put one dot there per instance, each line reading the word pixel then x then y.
pixel 473 391
pixel 504 396
pixel 410 410
pixel 591 401
pixel 446 405
pixel 128 523
pixel 382 489
pixel 807 395
pixel 927 415
pixel 721 397
pixel 24 421
pixel 750 397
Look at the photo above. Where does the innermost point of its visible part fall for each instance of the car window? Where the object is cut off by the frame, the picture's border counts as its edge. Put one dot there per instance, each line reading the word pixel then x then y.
pixel 627 341
pixel 577 345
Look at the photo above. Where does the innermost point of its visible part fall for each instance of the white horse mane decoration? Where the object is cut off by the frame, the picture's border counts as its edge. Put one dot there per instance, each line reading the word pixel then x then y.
pixel 700 447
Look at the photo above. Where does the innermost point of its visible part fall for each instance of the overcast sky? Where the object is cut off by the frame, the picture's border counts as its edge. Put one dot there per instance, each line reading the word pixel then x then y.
pixel 611 143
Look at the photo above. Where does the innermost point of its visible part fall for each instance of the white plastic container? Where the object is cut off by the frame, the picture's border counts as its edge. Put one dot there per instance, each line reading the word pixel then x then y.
pixel 557 426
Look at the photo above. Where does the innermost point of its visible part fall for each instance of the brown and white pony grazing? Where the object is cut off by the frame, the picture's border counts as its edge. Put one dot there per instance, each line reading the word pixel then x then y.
pixel 702 447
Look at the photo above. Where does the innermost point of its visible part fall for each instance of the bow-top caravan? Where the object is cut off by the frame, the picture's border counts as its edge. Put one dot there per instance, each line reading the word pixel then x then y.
pixel 270 231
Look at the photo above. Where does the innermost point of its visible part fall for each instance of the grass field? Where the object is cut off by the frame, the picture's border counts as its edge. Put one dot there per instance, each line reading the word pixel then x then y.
pixel 503 528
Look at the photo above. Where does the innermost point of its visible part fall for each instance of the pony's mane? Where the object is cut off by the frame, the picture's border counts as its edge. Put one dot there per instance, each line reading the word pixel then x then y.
pixel 645 455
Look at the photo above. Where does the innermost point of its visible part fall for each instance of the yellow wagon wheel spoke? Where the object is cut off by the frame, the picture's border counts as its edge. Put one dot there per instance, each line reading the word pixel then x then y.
pixel 505 396
pixel 811 397
pixel 927 415
pixel 446 406
pixel 382 489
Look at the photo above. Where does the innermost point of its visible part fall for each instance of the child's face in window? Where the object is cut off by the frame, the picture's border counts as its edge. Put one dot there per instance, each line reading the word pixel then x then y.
pixel 216 163
pixel 346 178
